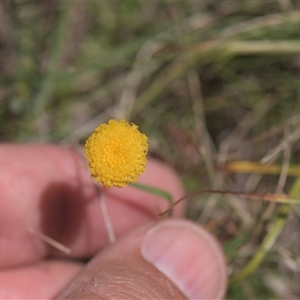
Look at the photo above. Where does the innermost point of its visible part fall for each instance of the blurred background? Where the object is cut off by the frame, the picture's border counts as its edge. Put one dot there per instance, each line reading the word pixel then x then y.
pixel 214 85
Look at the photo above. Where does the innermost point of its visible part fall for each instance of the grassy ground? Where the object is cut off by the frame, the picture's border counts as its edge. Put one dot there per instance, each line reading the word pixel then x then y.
pixel 212 83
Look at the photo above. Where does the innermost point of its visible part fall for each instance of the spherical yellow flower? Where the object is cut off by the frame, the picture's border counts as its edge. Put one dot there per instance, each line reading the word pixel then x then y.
pixel 116 153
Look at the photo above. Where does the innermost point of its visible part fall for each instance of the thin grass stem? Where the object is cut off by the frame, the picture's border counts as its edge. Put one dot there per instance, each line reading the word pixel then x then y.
pixel 107 221
pixel 55 244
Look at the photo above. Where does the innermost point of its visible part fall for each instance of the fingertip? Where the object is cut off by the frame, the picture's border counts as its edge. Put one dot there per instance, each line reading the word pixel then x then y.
pixel 188 255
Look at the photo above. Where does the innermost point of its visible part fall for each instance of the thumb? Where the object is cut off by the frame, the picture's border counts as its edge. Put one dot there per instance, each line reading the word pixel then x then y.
pixel 171 259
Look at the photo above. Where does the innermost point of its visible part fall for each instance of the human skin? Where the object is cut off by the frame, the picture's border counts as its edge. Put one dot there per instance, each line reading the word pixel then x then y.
pixel 48 189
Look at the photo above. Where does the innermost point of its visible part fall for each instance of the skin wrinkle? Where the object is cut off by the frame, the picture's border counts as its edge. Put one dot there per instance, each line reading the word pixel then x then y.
pixel 131 283
pixel 126 279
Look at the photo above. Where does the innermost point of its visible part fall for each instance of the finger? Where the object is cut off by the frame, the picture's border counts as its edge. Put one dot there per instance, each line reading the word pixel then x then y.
pixel 172 259
pixel 43 280
pixel 48 189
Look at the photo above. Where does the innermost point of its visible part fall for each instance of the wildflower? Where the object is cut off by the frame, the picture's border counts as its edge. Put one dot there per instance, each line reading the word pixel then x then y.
pixel 116 153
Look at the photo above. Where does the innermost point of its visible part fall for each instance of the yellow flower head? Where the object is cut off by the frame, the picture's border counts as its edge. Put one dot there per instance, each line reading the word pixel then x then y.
pixel 116 153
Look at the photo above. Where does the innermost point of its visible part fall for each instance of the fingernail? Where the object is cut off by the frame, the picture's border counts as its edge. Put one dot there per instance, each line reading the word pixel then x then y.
pixel 189 256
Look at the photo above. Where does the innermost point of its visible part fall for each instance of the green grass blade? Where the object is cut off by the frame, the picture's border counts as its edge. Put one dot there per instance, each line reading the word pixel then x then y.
pixel 154 191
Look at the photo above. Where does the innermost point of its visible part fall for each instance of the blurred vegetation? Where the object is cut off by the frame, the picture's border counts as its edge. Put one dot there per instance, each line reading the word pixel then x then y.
pixel 210 82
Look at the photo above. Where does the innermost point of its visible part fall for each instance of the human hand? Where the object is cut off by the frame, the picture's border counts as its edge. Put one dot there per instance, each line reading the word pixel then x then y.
pixel 48 189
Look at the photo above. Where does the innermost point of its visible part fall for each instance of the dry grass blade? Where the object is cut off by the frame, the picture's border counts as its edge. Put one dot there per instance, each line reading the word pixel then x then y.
pixel 262 47
pixel 259 168
pixel 260 22
pixel 285 165
pixel 290 139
